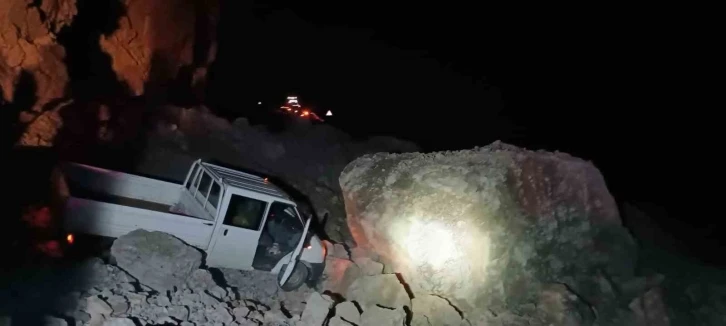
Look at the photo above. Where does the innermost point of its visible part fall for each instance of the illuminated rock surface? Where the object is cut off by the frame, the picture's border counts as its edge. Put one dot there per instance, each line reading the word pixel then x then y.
pixel 28 31
pixel 490 227
pixel 156 39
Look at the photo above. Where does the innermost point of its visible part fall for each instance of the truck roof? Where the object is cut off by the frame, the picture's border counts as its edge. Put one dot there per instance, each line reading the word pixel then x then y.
pixel 245 181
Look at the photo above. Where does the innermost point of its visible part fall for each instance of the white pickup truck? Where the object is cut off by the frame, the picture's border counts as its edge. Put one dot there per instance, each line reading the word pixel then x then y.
pixel 240 220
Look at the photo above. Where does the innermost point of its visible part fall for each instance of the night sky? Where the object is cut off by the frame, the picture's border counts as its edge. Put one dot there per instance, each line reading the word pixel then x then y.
pixel 625 87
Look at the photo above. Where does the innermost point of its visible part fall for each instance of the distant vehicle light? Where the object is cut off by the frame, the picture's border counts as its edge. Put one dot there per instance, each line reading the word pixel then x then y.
pixel 329 113
pixel 70 238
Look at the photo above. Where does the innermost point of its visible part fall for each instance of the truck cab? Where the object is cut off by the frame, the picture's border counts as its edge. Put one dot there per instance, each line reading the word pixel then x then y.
pixel 257 225
pixel 242 221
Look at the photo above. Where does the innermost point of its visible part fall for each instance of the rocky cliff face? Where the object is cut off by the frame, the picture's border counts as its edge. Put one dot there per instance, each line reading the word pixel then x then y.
pixel 28 31
pixel 495 227
pixel 157 40
pixel 158 48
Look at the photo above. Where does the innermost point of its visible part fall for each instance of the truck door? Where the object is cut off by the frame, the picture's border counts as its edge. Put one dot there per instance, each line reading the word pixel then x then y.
pixel 279 237
pixel 287 271
pixel 236 235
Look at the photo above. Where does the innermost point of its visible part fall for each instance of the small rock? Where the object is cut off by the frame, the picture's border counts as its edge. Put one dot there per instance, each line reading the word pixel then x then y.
pixel 218 315
pixel 433 310
pixel 218 292
pixel 368 266
pixel 154 313
pixel 374 315
pixel 339 274
pixel 201 279
pixel 254 305
pixel 126 287
pixel 105 293
pixel 240 312
pixel 196 315
pixel 136 301
pixel 160 300
pixel 256 315
pixel 118 304
pixel 345 313
pixel 53 321
pixel 231 294
pixel 178 312
pixel 190 300
pixel 98 309
pixel 119 322
pixel 208 300
pixel 316 309
pixel 275 317
pixel 164 320
pixel 246 322
pixel 384 290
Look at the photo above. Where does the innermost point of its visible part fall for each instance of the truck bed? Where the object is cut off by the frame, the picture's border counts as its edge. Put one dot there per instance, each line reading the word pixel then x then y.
pixel 110 203
pixel 80 192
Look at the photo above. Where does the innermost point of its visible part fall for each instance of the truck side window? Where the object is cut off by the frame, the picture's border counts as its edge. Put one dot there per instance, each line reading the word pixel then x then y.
pixel 244 212
pixel 204 184
pixel 214 195
pixel 191 177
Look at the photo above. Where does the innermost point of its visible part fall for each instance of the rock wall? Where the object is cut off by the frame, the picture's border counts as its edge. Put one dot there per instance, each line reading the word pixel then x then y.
pixel 28 44
pixel 493 228
pixel 156 39
pixel 158 48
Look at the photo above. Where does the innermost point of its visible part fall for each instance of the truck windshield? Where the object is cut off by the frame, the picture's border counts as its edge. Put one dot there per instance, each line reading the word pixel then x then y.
pixel 245 212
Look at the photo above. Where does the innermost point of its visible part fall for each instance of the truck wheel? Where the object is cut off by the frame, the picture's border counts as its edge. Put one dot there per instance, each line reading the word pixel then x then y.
pixel 298 277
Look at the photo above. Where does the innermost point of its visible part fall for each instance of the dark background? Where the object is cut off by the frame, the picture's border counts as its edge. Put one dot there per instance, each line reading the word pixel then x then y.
pixel 631 89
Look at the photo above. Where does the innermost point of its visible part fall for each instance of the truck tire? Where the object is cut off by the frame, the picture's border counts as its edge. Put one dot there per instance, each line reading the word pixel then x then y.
pixel 298 277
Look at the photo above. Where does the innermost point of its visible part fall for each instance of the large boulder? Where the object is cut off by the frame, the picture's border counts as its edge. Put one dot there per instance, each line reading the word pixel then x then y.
pixel 383 290
pixel 156 259
pixel 489 227
pixel 317 309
